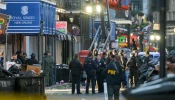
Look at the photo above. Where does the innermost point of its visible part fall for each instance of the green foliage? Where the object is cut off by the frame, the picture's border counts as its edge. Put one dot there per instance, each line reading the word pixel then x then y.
pixel 140 14
pixel 133 26
pixel 68 60
pixel 143 25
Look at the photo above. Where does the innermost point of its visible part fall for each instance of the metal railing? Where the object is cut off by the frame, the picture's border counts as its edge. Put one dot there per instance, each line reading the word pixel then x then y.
pixel 95 38
pixel 107 40
pixel 73 4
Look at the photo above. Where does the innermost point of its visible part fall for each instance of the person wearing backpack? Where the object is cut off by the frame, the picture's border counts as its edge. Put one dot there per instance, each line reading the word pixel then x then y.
pixel 114 77
pixel 133 69
pixel 90 68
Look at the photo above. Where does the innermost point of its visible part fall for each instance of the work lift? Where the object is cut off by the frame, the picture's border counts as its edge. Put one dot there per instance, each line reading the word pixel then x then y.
pixel 97 42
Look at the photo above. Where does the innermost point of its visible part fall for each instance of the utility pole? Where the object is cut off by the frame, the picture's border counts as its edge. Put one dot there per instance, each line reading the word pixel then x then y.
pixel 163 37
pixel 128 36
pixel 102 20
pixel 107 6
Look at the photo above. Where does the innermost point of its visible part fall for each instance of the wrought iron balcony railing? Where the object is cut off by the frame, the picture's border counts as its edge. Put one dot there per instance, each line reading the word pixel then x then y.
pixel 73 4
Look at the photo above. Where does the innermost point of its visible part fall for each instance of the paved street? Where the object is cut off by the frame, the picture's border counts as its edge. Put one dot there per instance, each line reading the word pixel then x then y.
pixel 65 94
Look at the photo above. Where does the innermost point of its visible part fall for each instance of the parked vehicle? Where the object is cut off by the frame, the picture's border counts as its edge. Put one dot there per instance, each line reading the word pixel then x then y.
pixel 153 56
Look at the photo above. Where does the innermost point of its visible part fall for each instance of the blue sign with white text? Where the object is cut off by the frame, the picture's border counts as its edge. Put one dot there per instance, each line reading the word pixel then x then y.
pixel 48 16
pixel 113 31
pixel 25 17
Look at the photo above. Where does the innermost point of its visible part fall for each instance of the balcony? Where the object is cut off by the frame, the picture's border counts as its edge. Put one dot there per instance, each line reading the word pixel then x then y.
pixel 74 5
pixel 2 4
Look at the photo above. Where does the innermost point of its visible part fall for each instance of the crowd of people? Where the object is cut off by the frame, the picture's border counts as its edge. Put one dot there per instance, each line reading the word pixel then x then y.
pixel 116 68
pixel 21 59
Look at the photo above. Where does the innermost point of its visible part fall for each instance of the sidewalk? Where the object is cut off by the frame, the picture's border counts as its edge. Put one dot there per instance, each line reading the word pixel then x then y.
pixel 66 87
pixel 57 93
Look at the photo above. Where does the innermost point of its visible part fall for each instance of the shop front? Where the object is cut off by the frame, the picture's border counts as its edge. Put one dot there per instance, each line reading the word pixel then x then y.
pixel 30 21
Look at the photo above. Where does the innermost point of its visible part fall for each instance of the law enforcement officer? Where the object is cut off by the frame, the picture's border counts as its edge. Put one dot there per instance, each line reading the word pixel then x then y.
pixel 104 57
pixel 100 78
pixel 90 67
pixel 32 60
pixel 114 77
pixel 48 65
pixel 138 60
pixel 76 69
pixel 133 69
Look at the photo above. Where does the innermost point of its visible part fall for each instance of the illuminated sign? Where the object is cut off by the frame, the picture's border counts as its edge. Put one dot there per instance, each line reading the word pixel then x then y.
pixel 61 26
pixel 3 23
pixel 0 31
pixel 122 39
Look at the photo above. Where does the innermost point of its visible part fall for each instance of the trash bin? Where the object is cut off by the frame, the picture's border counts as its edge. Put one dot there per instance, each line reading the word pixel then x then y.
pixel 30 85
pixel 162 89
pixel 7 85
pixel 62 73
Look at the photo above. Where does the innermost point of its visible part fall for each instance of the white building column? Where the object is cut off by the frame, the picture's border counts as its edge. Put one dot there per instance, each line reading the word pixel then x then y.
pixel 59 52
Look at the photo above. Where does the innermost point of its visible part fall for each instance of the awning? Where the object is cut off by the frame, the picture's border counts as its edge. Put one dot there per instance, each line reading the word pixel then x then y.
pixel 26 16
pixel 64 36
pixel 122 21
pixel 122 29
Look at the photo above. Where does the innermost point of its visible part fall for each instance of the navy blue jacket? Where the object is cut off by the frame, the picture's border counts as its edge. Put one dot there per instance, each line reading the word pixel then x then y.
pixel 90 66
pixel 100 66
pixel 114 77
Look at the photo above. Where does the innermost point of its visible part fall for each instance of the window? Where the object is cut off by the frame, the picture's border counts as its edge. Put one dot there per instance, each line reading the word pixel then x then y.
pixel 169 16
pixel 173 1
pixel 155 18
pixel 174 15
pixel 170 40
pixel 72 4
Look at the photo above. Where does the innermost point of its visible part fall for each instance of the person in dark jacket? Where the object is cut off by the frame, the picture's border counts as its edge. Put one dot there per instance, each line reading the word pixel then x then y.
pixel 138 60
pixel 15 59
pixel 146 57
pixel 76 69
pixel 32 60
pixel 104 57
pixel 90 68
pixel 25 56
pixel 134 44
pixel 99 73
pixel 133 70
pixel 21 57
pixel 114 77
pixel 108 60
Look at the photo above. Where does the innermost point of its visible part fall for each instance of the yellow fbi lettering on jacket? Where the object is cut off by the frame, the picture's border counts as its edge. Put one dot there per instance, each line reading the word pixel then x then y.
pixel 111 72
